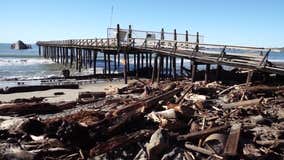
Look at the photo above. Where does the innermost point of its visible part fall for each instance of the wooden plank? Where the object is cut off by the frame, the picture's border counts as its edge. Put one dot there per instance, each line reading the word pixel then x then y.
pixel 203 133
pixel 232 142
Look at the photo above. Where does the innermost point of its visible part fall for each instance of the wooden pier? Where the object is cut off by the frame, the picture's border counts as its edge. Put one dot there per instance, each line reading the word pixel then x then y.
pixel 152 54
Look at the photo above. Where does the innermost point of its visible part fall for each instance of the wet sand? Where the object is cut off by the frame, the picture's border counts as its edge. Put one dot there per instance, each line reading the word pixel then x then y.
pixel 69 94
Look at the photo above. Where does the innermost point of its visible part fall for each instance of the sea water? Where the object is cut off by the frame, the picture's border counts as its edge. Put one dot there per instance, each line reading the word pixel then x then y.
pixel 26 66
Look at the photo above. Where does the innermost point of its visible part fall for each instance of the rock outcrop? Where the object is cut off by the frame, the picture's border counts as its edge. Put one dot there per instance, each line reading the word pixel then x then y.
pixel 20 45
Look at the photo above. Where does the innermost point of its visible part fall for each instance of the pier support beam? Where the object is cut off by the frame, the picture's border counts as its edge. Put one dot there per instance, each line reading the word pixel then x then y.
pixel 154 69
pixel 108 61
pixel 181 66
pixel 207 72
pixel 218 70
pixel 95 62
pixel 125 68
pixel 193 71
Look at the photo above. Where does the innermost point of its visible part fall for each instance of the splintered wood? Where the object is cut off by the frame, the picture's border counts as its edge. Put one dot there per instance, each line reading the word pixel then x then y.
pixel 169 120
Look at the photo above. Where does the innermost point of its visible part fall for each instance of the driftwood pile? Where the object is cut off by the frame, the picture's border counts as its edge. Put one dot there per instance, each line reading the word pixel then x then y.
pixel 170 120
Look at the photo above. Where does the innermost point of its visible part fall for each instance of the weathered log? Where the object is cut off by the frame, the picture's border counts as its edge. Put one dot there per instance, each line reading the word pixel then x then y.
pixel 119 141
pixel 251 102
pixel 165 96
pixel 28 100
pixel 87 97
pixel 202 133
pixel 17 89
pixel 270 142
pixel 202 150
pixel 38 108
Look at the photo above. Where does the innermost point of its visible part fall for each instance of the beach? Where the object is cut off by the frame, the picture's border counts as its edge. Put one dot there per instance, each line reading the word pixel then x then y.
pixel 68 94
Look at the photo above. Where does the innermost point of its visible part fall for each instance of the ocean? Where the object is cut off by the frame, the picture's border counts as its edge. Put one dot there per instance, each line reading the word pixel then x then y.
pixel 28 67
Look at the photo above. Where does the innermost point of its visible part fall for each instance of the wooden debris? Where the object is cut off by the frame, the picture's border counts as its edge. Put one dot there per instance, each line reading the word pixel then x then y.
pixel 31 108
pixel 233 140
pixel 119 141
pixel 202 133
pixel 202 150
pixel 18 89
pixel 184 120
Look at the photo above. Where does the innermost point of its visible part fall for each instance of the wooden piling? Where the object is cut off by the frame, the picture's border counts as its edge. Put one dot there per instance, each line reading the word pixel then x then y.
pixel 125 68
pixel 39 50
pixel 105 63
pixel 218 70
pixel 108 60
pixel 193 71
pixel 95 62
pixel 77 58
pixel 90 58
pixel 159 69
pixel 114 61
pixel 154 69
pixel 207 72
pixel 80 60
pixel 71 57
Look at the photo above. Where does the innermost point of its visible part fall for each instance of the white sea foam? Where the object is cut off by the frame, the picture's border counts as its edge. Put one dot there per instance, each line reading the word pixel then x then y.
pixel 23 61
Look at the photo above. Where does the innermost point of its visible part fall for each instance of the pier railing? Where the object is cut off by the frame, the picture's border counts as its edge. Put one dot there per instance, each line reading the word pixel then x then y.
pixel 174 44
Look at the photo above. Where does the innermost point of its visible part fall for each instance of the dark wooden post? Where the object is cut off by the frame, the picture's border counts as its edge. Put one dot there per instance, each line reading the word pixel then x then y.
pixel 159 69
pixel 90 58
pixel 193 70
pixel 125 68
pixel 77 58
pixel 162 34
pixel 105 64
pixel 118 36
pixel 86 58
pixel 129 41
pixel 174 57
pixel 118 44
pixel 147 60
pixel 171 65
pixel 71 56
pixel 138 65
pixel 182 59
pixel 108 58
pixel 135 63
pixel 218 70
pixel 80 60
pixel 167 65
pixel 154 69
pixel 67 50
pixel 57 55
pixel 95 61
pixel 39 50
pixel 207 72
pixel 197 42
pixel 114 60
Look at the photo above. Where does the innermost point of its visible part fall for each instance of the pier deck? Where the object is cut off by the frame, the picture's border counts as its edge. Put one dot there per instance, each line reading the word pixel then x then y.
pixel 158 51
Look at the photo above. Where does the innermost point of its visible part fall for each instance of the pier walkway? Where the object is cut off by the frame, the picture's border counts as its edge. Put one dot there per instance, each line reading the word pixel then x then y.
pixel 156 51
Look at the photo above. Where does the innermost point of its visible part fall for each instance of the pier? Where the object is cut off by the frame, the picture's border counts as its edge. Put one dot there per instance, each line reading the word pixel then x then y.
pixel 155 55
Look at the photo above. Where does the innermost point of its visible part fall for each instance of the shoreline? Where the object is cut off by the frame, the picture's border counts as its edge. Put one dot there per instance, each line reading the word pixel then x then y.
pixel 69 94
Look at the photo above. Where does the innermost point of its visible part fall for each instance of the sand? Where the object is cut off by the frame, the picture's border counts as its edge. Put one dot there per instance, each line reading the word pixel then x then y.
pixel 69 94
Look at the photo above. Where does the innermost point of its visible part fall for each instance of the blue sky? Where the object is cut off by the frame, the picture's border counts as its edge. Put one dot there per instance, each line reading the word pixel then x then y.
pixel 238 22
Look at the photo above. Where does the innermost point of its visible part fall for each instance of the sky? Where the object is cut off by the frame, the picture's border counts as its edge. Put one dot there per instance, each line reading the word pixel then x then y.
pixel 234 22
